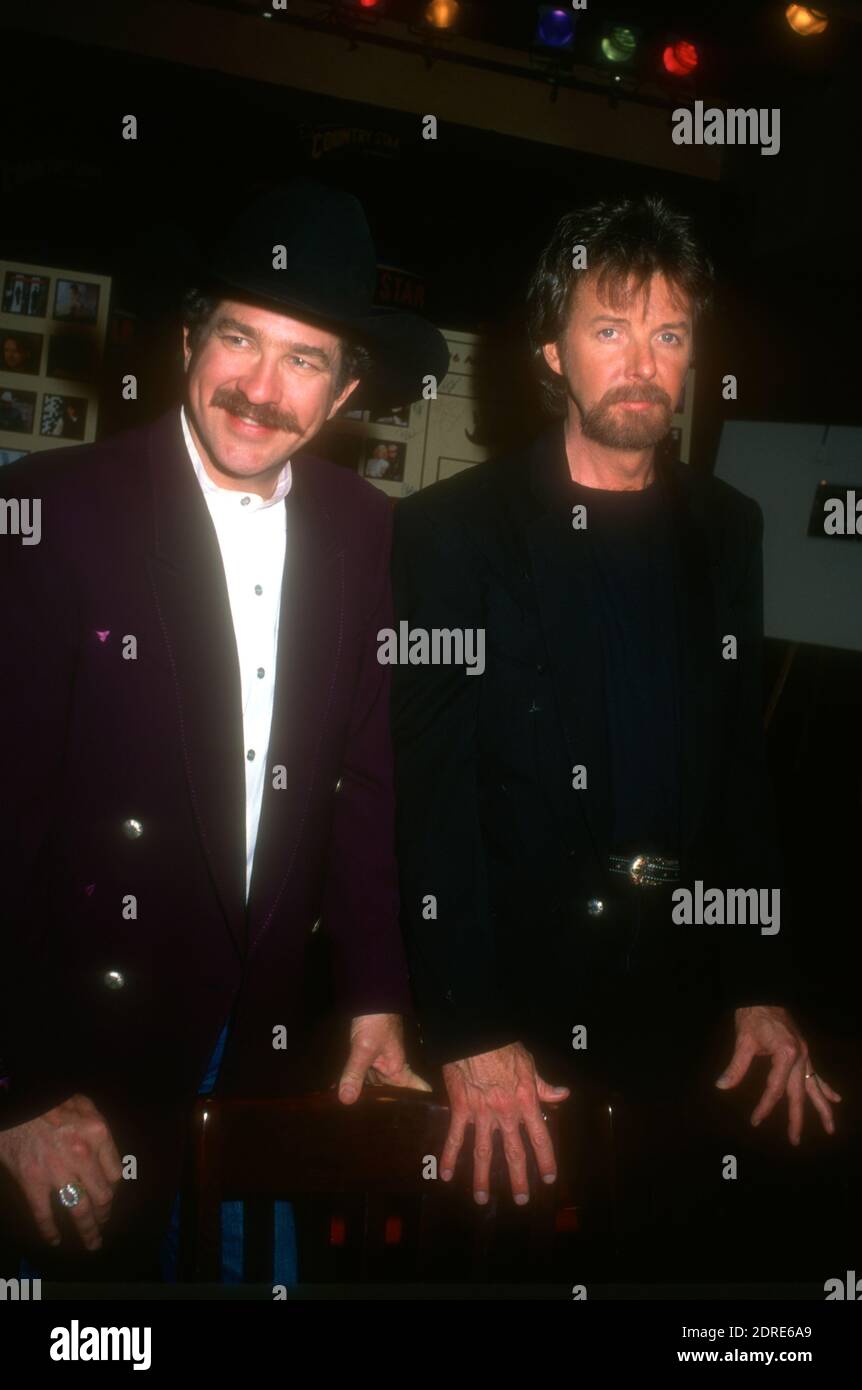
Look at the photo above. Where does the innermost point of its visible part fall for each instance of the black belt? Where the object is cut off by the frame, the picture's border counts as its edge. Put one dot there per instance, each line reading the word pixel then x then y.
pixel 645 870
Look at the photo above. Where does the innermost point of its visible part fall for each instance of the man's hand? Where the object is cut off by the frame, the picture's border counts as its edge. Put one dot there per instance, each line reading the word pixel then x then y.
pixel 499 1090
pixel 767 1031
pixel 377 1055
pixel 71 1143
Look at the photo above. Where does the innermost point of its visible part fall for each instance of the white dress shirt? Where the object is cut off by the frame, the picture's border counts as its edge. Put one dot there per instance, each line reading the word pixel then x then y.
pixel 251 537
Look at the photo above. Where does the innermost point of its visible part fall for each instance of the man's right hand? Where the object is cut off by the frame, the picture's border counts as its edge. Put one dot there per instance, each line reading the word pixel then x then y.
pixel 70 1143
pixel 499 1090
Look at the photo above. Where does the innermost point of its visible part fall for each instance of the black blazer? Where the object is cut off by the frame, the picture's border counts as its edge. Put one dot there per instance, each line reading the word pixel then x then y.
pixel 488 822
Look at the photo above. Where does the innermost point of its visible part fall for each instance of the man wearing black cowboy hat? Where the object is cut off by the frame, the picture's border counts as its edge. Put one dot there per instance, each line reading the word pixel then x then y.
pixel 201 771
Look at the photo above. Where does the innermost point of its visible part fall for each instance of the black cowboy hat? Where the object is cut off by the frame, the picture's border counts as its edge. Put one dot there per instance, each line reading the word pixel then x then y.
pixel 327 274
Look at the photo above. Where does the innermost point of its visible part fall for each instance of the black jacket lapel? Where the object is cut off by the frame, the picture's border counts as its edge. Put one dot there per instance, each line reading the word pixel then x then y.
pixel 563 584
pixel 694 586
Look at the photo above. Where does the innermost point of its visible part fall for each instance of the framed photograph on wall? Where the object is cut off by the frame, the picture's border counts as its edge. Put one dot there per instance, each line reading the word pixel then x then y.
pixel 384 458
pixel 17 411
pixel 76 301
pixel 53 323
pixel 20 353
pixel 25 294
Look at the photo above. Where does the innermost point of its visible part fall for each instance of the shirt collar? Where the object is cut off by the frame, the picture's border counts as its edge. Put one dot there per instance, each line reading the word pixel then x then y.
pixel 255 502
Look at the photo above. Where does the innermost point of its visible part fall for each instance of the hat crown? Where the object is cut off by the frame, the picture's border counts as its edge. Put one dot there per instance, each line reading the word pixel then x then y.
pixel 328 259
pixel 326 274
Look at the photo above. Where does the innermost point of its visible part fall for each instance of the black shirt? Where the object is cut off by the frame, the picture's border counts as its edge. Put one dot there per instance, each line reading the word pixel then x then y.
pixel 630 543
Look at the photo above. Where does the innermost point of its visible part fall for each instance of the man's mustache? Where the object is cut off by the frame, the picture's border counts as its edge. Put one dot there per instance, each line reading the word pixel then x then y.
pixel 652 395
pixel 261 415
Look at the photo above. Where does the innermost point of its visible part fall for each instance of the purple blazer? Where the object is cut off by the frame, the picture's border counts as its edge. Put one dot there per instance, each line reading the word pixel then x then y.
pixel 125 779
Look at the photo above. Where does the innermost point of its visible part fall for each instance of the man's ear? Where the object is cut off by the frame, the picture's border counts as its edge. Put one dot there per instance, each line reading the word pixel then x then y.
pixel 339 400
pixel 187 352
pixel 551 354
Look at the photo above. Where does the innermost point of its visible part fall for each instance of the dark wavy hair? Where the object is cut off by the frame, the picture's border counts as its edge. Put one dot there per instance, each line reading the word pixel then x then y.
pixel 199 306
pixel 630 237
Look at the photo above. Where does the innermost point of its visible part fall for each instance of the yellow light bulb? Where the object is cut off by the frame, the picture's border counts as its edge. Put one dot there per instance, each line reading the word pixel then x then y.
pixel 805 21
pixel 442 14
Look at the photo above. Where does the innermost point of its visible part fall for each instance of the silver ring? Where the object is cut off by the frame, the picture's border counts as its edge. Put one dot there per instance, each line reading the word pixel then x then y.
pixel 71 1193
pixel 809 1074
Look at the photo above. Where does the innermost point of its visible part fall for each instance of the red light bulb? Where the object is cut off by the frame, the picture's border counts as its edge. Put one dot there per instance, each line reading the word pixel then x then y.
pixel 680 58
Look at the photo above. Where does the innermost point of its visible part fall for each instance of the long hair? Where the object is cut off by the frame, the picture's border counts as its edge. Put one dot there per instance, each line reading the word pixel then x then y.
pixel 628 239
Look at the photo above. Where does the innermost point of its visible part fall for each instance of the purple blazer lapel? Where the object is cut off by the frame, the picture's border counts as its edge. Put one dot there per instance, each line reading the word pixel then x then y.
pixel 309 661
pixel 193 609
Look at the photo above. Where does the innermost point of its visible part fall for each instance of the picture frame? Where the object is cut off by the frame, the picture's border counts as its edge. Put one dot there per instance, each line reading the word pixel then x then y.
pixel 53 328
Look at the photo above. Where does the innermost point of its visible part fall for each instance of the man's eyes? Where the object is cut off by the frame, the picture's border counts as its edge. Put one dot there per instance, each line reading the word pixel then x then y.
pixel 234 338
pixel 667 334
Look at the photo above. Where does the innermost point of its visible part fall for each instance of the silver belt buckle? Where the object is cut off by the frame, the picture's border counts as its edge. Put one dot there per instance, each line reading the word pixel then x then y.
pixel 637 869
pixel 645 870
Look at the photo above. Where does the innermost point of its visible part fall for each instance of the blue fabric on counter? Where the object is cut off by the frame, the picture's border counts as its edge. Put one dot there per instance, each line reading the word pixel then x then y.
pixel 232 1243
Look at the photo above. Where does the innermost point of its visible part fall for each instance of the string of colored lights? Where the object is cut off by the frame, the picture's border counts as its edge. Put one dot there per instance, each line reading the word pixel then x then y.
pixel 620 56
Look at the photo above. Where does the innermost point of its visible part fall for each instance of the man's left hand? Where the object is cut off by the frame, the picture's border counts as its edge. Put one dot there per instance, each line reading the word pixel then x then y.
pixel 377 1055
pixel 768 1031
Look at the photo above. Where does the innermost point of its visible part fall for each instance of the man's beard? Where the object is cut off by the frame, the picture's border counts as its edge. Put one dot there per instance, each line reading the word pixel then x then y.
pixel 628 429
